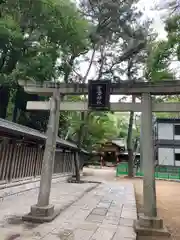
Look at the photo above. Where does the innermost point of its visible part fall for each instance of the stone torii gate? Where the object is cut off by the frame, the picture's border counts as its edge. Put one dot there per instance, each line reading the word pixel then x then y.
pixel 148 223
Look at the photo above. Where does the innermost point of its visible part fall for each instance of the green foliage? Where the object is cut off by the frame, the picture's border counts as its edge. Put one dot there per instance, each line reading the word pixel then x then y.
pixel 35 34
pixel 39 32
pixel 99 127
pixel 41 39
pixel 161 55
pixel 164 52
pixel 157 67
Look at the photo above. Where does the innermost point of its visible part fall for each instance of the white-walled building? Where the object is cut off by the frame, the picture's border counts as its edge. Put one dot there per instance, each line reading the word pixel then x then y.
pixel 167 141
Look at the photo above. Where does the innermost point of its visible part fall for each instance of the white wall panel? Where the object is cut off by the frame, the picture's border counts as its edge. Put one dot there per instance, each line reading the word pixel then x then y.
pixel 166 156
pixel 165 131
pixel 176 137
pixel 177 150
pixel 177 163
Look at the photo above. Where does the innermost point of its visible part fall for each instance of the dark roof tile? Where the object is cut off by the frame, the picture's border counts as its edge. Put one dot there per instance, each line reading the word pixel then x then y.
pixel 17 128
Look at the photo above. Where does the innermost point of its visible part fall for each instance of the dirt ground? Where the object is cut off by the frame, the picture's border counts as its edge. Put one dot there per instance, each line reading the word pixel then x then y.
pixel 168 204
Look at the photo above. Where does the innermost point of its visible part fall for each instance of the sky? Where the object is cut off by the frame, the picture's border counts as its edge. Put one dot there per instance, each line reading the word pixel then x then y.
pixel 147 7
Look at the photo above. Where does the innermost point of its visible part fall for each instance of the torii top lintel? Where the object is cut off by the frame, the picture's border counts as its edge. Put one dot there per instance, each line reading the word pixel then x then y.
pixel 124 88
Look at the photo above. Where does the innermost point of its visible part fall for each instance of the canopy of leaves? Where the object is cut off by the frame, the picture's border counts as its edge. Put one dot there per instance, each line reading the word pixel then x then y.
pixel 157 66
pixel 36 39
pixel 33 34
pixel 99 127
pixel 118 34
pixel 41 39
pixel 163 53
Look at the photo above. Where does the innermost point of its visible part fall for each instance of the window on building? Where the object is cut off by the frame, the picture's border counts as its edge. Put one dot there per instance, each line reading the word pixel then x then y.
pixel 156 155
pixel 177 129
pixel 155 132
pixel 177 156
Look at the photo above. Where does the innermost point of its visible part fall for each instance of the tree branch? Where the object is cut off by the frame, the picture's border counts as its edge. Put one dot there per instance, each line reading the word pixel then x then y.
pixel 102 61
pixel 127 55
pixel 90 65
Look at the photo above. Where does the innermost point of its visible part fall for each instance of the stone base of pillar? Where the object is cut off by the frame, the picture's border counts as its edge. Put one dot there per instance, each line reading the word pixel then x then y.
pixel 146 226
pixel 41 214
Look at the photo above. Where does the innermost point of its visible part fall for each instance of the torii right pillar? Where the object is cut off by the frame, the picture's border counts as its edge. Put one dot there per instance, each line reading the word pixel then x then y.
pixel 148 223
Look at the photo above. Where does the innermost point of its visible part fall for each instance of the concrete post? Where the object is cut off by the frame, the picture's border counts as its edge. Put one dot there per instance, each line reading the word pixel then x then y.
pixel 49 153
pixel 149 191
pixel 57 100
pixel 148 223
pixel 141 143
pixel 43 211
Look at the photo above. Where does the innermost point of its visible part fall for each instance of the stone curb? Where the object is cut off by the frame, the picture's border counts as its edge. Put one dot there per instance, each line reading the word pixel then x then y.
pixel 162 179
pixel 26 181
pixel 22 187
pixel 89 189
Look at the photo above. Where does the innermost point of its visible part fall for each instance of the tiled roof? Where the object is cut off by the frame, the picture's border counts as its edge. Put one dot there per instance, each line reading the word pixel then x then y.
pixel 119 142
pixel 17 128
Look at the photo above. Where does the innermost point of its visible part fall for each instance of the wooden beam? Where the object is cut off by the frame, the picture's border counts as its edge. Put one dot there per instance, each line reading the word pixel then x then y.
pixel 116 107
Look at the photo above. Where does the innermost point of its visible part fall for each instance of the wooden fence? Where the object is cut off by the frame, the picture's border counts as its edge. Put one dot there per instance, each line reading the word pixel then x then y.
pixel 22 149
pixel 21 160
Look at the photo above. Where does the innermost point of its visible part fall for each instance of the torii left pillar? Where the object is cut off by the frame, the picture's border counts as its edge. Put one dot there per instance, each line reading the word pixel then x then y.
pixel 43 211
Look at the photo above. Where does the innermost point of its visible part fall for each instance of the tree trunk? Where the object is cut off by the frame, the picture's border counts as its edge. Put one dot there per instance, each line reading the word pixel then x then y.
pixel 81 136
pixel 77 170
pixel 13 58
pixel 4 100
pixel 15 110
pixel 15 113
pixel 129 142
pixel 79 144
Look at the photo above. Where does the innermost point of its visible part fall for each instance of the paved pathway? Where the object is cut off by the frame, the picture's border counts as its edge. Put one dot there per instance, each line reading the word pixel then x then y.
pixel 13 207
pixel 107 213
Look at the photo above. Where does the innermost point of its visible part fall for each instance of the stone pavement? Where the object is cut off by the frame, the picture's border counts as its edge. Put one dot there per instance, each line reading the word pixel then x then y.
pixel 107 212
